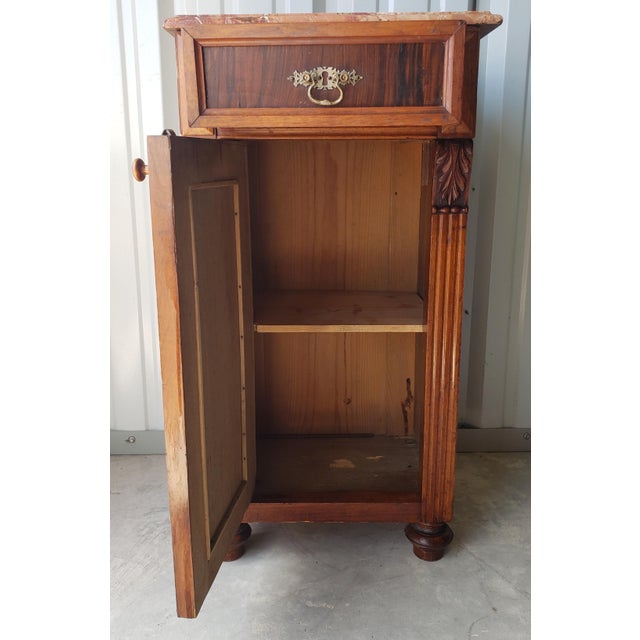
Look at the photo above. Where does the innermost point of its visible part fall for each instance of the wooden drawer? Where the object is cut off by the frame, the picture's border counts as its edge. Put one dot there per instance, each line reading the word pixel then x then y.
pixel 343 76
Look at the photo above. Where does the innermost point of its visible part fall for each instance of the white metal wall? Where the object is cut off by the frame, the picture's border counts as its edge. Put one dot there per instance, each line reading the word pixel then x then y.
pixel 496 338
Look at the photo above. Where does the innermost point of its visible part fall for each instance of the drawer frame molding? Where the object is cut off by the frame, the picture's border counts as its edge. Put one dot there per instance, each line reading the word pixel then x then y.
pixel 447 119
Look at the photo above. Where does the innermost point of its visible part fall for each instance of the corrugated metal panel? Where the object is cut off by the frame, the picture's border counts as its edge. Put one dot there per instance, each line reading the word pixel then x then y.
pixel 317 6
pixel 496 345
pixel 136 401
pixel 496 336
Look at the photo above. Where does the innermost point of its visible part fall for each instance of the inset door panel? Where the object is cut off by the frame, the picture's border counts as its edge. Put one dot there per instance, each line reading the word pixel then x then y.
pixel 200 221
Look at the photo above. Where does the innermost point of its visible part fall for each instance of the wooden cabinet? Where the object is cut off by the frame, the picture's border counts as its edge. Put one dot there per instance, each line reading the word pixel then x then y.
pixel 309 234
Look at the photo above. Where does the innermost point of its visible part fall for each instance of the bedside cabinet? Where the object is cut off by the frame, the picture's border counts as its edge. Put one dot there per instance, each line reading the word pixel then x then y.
pixel 309 239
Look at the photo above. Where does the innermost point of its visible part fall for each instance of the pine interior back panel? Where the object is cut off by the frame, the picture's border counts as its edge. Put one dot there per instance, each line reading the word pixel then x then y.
pixel 345 216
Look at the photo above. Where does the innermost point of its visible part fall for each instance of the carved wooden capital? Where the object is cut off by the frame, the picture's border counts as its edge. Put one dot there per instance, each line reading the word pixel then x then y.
pixel 452 175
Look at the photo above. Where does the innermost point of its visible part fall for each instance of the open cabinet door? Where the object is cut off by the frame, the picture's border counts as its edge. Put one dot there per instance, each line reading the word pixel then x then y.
pixel 199 206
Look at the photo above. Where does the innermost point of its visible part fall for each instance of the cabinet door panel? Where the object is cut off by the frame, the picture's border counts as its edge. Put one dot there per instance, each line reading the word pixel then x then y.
pixel 200 219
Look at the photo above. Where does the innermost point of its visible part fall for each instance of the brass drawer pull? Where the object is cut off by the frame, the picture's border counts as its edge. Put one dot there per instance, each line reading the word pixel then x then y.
pixel 324 79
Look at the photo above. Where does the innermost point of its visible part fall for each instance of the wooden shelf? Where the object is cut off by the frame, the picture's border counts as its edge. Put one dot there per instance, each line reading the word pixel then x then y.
pixel 338 311
pixel 294 468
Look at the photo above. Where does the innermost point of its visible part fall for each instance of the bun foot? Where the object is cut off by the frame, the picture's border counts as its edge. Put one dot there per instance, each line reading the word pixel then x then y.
pixel 429 539
pixel 236 548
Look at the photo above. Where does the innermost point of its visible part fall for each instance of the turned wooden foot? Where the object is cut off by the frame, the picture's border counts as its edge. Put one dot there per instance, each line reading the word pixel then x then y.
pixel 236 548
pixel 429 539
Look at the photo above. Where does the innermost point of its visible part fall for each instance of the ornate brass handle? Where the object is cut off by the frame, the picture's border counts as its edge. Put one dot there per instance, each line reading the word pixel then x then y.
pixel 324 79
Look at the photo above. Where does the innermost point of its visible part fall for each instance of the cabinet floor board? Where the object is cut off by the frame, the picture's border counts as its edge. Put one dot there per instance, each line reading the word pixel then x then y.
pixel 385 464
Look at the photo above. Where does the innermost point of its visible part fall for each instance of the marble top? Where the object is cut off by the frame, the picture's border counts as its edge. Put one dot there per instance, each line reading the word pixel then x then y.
pixel 486 20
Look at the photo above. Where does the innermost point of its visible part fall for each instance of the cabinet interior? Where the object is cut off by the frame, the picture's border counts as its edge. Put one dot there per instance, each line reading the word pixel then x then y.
pixel 338 262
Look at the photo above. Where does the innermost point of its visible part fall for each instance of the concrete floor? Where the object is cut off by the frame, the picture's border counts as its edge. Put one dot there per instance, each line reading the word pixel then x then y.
pixel 333 581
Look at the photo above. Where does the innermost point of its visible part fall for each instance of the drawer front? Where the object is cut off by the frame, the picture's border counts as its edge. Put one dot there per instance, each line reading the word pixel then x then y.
pixel 279 80
pixel 386 75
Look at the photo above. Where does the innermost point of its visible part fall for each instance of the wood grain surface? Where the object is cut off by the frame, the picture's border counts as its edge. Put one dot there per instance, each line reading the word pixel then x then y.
pixel 296 466
pixel 233 75
pixel 199 205
pixel 393 75
pixel 336 215
pixel 338 311
pixel 335 383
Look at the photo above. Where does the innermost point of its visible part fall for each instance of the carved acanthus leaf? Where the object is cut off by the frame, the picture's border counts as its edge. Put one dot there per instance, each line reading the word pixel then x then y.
pixel 453 169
